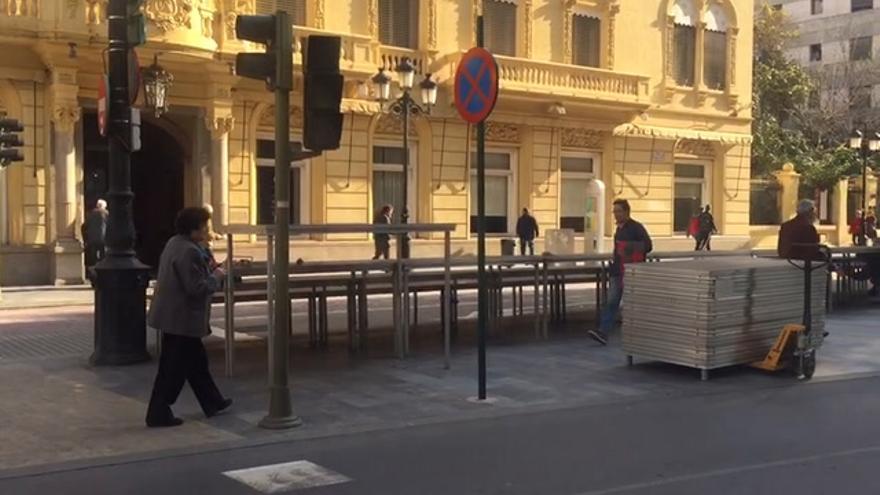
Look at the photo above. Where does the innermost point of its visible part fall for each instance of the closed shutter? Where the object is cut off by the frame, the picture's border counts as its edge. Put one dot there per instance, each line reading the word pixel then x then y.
pixel 295 8
pixel 715 66
pixel 684 39
pixel 499 22
pixel 398 23
pixel 586 36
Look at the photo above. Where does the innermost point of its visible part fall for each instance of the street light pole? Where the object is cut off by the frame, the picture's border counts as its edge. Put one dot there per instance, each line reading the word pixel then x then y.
pixel 405 101
pixel 404 106
pixel 121 283
pixel 866 144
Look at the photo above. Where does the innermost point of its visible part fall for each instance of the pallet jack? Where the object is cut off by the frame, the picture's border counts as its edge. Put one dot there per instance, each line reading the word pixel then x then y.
pixel 795 347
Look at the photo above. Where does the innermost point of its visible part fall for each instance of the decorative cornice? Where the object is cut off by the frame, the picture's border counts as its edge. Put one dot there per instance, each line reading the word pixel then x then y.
pixel 96 12
pixel 219 126
pixel 578 137
pixel 207 9
pixel 392 124
pixel 432 24
pixel 527 28
pixel 373 19
pixel 500 132
pixel 232 9
pixel 320 14
pixel 267 118
pixel 65 115
pixel 168 15
pixel 694 147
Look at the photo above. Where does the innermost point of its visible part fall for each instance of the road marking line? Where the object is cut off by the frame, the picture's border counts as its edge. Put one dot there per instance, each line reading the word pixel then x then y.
pixel 288 476
pixel 734 470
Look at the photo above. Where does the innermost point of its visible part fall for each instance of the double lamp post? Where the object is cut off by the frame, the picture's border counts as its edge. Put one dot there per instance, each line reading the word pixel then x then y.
pixel 404 106
pixel 866 147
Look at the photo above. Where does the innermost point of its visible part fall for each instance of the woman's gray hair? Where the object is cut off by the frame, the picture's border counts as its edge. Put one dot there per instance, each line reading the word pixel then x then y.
pixel 805 206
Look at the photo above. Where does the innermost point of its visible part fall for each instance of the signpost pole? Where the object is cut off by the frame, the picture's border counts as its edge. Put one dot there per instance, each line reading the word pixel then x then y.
pixel 482 316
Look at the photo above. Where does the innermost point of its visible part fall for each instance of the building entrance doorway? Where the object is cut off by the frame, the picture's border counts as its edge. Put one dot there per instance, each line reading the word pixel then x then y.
pixel 156 181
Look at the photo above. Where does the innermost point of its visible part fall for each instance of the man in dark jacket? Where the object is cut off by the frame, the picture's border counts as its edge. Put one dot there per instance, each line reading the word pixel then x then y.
pixel 382 241
pixel 705 229
pixel 526 230
pixel 631 244
pixel 798 231
pixel 94 229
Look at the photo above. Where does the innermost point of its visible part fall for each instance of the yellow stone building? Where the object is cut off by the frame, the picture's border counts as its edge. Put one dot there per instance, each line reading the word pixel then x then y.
pixel 649 96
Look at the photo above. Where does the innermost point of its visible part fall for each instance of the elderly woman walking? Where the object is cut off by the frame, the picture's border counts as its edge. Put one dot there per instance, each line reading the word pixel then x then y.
pixel 181 309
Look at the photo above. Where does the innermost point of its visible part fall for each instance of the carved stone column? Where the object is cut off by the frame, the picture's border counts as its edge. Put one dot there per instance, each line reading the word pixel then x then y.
pixel 790 181
pixel 67 265
pixel 220 124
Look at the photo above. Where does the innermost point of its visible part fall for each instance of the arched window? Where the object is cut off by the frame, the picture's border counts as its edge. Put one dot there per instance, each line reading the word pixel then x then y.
pixel 684 41
pixel 715 47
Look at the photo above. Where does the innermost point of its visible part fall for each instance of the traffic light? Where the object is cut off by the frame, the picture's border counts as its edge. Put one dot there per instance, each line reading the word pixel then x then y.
pixel 137 26
pixel 276 65
pixel 322 120
pixel 10 141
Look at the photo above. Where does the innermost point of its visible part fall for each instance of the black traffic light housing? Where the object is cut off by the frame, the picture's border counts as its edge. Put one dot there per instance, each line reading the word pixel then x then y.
pixel 10 141
pixel 276 65
pixel 322 122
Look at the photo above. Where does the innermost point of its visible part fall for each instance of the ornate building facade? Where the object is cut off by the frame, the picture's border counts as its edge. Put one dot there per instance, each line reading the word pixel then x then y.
pixel 649 96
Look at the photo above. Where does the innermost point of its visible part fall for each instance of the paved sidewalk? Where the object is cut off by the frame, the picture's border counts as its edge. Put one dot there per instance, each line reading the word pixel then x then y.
pixel 46 297
pixel 60 410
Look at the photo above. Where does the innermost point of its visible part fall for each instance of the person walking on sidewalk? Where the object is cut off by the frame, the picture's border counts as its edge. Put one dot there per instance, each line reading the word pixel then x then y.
pixel 181 310
pixel 526 230
pixel 382 241
pixel 631 244
pixel 94 230
pixel 705 230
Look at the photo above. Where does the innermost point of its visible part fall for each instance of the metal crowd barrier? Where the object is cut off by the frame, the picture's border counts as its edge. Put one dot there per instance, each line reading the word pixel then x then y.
pixel 547 274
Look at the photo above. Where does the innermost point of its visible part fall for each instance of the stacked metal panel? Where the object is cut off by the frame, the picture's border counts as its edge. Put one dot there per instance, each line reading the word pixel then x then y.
pixel 714 312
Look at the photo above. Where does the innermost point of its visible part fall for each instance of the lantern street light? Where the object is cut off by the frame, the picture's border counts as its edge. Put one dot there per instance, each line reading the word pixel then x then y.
pixel 866 147
pixel 404 106
pixel 156 83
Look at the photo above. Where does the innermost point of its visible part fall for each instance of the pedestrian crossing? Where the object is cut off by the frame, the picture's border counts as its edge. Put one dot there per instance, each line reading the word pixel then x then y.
pixel 287 477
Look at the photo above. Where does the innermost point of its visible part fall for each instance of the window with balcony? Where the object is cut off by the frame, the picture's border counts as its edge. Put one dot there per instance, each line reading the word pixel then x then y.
pixel 816 52
pixel 499 25
pixel 586 40
pixel 685 40
pixel 499 192
pixel 295 8
pixel 266 185
pixel 399 23
pixel 690 194
pixel 715 48
pixel 816 7
pixel 715 67
pixel 388 179
pixel 577 171
pixel 861 48
pixel 858 5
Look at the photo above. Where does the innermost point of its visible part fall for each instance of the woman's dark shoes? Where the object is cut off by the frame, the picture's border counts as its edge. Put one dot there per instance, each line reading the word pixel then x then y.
pixel 221 407
pixel 165 423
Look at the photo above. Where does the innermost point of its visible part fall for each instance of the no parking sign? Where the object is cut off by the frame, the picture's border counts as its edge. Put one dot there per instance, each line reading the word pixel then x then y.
pixel 476 85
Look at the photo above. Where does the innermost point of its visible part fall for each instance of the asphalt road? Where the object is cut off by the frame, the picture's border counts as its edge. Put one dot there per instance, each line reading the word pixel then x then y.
pixel 817 438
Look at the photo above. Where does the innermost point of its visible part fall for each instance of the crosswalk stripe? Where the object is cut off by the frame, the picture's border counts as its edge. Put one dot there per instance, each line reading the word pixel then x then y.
pixel 286 477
